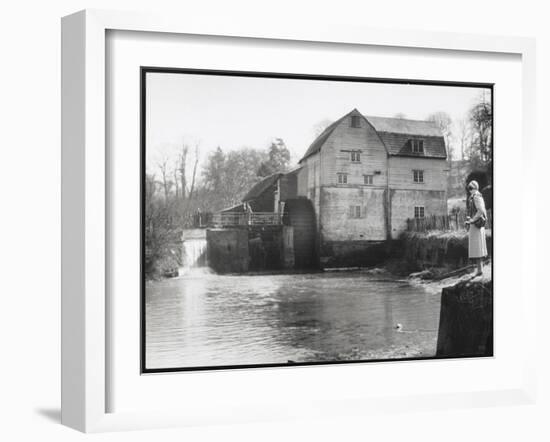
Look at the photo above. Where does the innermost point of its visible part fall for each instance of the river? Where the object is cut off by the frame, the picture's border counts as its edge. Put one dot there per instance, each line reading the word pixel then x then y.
pixel 203 319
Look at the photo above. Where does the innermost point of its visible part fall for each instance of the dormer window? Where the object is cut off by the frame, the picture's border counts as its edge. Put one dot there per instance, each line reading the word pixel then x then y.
pixel 417 146
pixel 355 121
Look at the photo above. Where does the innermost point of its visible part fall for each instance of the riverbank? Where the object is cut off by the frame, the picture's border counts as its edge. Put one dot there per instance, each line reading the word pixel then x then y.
pixel 446 249
pixel 430 255
pixel 434 254
pixel 437 282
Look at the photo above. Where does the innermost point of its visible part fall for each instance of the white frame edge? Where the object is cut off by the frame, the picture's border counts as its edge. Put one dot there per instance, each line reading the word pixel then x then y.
pixel 84 199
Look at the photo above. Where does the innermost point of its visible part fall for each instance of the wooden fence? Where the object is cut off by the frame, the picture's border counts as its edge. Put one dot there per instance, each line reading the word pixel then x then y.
pixel 454 221
pixel 228 219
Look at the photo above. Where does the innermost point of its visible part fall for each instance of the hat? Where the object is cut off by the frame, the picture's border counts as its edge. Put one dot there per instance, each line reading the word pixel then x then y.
pixel 473 185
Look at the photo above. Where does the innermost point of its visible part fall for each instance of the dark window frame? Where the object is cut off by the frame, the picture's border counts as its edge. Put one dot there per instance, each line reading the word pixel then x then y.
pixel 355 211
pixel 355 121
pixel 417 146
pixel 419 212
pixel 418 176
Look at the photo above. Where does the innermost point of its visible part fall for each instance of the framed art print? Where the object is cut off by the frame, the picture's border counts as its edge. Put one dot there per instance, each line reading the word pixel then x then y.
pixel 252 214
pixel 329 242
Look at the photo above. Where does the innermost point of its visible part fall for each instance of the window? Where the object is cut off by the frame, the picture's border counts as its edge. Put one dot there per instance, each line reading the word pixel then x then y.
pixel 355 157
pixel 417 146
pixel 355 211
pixel 419 211
pixel 368 179
pixel 355 121
pixel 342 178
pixel 418 176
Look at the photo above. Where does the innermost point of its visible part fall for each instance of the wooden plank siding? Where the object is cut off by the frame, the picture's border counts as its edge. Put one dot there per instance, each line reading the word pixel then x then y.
pixel 401 173
pixel 336 154
pixel 386 204
pixel 405 194
pixel 335 221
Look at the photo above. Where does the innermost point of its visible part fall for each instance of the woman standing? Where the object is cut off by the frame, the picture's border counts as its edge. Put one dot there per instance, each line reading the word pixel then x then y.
pixel 475 221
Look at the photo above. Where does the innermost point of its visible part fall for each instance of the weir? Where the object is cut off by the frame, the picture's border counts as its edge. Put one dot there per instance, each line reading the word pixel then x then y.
pixel 193 249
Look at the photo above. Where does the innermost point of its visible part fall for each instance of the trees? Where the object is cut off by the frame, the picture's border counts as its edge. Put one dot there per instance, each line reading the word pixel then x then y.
pixel 194 176
pixel 166 182
pixel 278 159
pixel 213 170
pixel 227 177
pixel 182 169
pixel 464 137
pixel 445 123
pixel 474 137
pixel 319 128
pixel 481 122
pixel 162 232
pixel 181 191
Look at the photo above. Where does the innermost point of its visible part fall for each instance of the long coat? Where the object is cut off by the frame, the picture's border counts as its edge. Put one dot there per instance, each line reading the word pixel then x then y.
pixel 477 244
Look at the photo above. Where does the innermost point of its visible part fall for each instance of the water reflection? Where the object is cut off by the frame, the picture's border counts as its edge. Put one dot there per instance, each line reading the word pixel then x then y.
pixel 207 319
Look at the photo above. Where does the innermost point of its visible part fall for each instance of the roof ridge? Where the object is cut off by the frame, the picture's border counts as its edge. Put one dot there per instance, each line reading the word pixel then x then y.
pixel 397 118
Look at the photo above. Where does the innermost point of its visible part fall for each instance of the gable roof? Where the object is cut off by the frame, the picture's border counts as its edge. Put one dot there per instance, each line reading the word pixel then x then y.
pixel 404 126
pixel 395 134
pixel 320 140
pixel 261 187
pixel 400 145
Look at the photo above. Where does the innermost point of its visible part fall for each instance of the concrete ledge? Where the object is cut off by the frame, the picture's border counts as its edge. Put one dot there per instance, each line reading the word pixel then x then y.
pixel 353 253
pixel 466 320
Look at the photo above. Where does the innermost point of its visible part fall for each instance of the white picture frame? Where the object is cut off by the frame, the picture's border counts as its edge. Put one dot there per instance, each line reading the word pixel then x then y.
pixel 85 307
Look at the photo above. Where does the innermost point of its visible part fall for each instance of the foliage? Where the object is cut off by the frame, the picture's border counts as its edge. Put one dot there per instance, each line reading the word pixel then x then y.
pixel 227 177
pixel 162 232
pixel 320 126
pixel 481 147
pixel 178 195
pixel 278 159
pixel 444 122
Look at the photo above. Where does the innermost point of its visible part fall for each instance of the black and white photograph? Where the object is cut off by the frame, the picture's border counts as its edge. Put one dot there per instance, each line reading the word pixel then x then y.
pixel 302 219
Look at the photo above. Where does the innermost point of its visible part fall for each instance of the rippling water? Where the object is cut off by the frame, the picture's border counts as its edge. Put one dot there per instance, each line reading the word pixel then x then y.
pixel 204 319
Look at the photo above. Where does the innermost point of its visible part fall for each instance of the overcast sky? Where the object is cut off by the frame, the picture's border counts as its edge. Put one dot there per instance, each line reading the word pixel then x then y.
pixel 234 112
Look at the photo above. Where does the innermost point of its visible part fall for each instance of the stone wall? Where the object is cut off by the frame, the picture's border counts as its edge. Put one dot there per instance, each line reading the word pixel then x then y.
pixel 353 253
pixel 338 223
pixel 265 247
pixel 227 250
pixel 252 248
